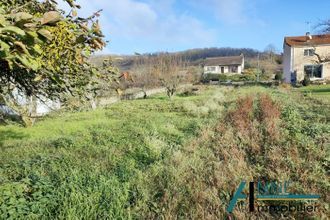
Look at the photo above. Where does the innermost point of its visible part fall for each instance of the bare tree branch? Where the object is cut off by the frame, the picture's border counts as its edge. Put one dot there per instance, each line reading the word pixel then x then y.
pixel 324 26
pixel 321 59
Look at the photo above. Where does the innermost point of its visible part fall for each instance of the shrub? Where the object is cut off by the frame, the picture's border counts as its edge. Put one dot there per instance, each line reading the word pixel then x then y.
pixel 250 71
pixel 306 81
pixel 211 77
pixel 241 77
pixel 228 77
pixel 223 78
pixel 279 76
pixel 293 119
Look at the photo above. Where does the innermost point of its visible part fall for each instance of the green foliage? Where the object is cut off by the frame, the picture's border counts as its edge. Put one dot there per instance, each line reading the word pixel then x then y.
pixel 223 77
pixel 44 53
pixel 17 45
pixel 279 76
pixel 210 76
pixel 321 92
pixel 306 81
pixel 294 120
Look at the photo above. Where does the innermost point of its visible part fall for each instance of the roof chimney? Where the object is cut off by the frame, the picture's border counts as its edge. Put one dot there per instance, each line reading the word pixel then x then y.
pixel 309 36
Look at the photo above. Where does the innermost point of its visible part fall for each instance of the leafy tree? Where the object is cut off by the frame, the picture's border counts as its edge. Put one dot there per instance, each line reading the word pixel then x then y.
pixel 44 53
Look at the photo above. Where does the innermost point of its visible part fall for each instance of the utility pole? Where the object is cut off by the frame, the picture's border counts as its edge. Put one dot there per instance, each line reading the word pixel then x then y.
pixel 258 70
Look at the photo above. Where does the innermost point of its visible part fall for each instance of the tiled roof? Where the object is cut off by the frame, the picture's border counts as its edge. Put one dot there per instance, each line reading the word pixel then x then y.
pixel 223 61
pixel 306 41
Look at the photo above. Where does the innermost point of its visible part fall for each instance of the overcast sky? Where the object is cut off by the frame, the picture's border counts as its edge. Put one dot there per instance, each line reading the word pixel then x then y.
pixel 174 25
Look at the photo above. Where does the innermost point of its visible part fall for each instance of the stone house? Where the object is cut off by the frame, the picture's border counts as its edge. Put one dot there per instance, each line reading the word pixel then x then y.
pixel 300 59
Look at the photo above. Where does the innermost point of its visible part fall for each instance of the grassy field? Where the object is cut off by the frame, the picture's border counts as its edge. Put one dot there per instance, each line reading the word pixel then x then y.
pixel 317 91
pixel 157 158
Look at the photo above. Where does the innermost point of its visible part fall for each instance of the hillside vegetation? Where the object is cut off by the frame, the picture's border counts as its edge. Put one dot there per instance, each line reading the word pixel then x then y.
pixel 196 57
pixel 189 55
pixel 158 158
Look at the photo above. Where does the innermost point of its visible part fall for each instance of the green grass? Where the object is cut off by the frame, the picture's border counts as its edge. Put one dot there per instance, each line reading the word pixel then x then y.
pixel 317 91
pixel 156 158
pixel 65 159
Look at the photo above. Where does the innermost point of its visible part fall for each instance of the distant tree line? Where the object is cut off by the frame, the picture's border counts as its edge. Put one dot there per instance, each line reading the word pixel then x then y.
pixel 197 54
pixel 192 56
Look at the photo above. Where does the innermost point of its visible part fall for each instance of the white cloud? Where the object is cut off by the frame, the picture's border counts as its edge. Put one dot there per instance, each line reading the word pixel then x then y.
pixel 131 17
pixel 185 29
pixel 151 21
pixel 231 12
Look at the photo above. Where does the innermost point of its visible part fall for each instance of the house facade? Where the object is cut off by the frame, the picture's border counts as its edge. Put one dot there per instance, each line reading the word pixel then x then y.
pixel 299 57
pixel 224 65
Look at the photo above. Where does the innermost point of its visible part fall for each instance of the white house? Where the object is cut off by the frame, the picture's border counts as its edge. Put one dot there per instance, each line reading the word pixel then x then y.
pixel 228 65
pixel 299 57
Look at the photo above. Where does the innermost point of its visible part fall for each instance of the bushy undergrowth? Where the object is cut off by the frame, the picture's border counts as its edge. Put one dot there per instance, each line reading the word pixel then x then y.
pixel 258 139
pixel 223 77
pixel 162 159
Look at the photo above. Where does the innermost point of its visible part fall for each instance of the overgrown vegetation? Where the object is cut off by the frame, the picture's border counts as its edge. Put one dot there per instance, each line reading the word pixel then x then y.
pixel 224 78
pixel 156 158
pixel 306 81
pixel 162 70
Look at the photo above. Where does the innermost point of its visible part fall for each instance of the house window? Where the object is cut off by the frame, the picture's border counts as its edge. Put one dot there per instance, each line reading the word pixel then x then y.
pixel 309 52
pixel 210 68
pixel 313 71
pixel 234 69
